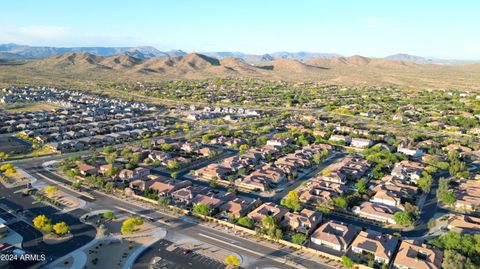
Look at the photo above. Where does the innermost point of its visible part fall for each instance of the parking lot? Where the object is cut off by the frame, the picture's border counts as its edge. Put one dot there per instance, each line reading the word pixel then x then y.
pixel 5 215
pixel 177 258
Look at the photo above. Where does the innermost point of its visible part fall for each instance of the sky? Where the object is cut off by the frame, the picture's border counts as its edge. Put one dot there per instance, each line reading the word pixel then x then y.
pixel 375 28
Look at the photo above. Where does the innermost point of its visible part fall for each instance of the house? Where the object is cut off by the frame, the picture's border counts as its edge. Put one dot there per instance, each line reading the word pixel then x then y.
pixel 408 171
pixel 292 161
pixel 186 195
pixel 253 184
pixel 268 173
pixel 213 171
pixel 413 254
pixel 160 156
pixel 238 207
pixel 206 152
pixel 378 212
pixel 87 170
pixel 468 195
pixel 334 177
pixel 392 191
pixel 464 224
pixel 458 148
pixel 106 167
pixel 341 138
pixel 381 246
pixel 316 196
pixel 209 200
pixel 163 188
pixel 317 183
pixel 189 147
pixel 278 142
pixel 354 167
pixel 266 210
pixel 410 151
pixel 361 143
pixel 304 221
pixel 334 234
pixel 129 175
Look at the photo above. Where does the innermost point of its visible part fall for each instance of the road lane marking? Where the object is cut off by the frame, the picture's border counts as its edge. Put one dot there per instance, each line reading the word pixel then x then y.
pixel 224 237
pixel 142 215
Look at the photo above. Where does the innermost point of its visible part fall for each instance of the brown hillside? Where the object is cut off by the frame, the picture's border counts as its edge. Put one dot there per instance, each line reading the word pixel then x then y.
pixel 355 70
pixel 121 61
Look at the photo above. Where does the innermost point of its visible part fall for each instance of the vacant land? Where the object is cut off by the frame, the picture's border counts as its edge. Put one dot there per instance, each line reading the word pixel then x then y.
pixel 26 107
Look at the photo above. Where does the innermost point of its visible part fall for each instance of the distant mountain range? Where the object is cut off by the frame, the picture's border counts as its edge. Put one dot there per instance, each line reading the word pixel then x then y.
pixel 23 52
pixel 14 51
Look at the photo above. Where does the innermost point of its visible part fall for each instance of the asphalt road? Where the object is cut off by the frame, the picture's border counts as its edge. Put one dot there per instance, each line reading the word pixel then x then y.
pixel 32 238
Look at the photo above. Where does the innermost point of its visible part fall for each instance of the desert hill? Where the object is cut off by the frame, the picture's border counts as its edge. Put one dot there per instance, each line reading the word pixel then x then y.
pixel 354 70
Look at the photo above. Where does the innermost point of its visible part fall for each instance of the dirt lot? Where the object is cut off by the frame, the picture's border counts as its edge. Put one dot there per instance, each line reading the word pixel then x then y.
pixel 112 254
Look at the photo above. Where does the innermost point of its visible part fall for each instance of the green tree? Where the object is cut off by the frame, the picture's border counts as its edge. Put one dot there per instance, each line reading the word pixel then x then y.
pixel 129 225
pixel 347 262
pixel 269 223
pixel 292 200
pixel 6 166
pixel 112 171
pixel 165 147
pixel 361 186
pixel 3 156
pixel 339 202
pixel 72 173
pixel 243 148
pixel 76 184
pixel 444 194
pixel 51 190
pixel 109 215
pixel 232 262
pixel 108 150
pixel 454 260
pixel 245 222
pixel 172 165
pixel 317 158
pixel 278 235
pixel 163 202
pixel 468 245
pixel 137 157
pixel 61 228
pixel 403 218
pixel 299 238
pixel 42 223
pixel 109 186
pixel 323 207
pixel 425 182
pixel 110 158
pixel 174 175
pixel 126 152
pixel 202 209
